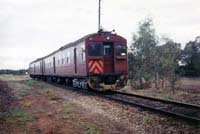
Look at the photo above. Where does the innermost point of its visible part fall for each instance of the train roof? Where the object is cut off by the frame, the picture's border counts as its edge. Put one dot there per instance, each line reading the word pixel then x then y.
pixel 71 44
pixel 65 46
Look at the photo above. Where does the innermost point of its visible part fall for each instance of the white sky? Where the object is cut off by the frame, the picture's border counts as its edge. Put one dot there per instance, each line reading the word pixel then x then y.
pixel 33 28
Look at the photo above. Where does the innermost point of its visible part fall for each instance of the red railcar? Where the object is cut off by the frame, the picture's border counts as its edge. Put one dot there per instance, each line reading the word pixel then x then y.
pixel 97 60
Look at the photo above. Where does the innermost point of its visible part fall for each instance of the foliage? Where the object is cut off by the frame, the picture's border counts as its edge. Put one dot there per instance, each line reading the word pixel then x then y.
pixel 141 57
pixel 149 61
pixel 167 60
pixel 191 59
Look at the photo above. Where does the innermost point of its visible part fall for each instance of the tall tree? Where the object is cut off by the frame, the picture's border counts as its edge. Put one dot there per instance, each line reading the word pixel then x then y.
pixel 167 62
pixel 143 51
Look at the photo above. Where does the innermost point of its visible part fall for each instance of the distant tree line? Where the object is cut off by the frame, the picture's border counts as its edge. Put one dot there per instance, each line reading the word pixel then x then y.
pixel 160 60
pixel 17 72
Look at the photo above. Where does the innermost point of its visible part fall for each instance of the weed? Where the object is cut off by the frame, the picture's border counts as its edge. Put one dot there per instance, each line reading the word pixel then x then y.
pixel 68 116
pixel 30 82
pixel 68 111
pixel 27 104
pixel 91 130
pixel 20 117
pixel 18 113
pixel 39 110
pixel 52 95
pixel 23 120
pixel 3 114
pixel 23 92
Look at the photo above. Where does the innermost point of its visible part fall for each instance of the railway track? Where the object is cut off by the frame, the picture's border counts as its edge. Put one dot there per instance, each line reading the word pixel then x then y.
pixel 183 111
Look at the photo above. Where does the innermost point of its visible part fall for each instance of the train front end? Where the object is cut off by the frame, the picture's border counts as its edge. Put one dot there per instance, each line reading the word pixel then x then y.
pixel 107 62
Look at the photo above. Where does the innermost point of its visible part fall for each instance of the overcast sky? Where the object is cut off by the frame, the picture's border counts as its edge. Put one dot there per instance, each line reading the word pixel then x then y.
pixel 33 28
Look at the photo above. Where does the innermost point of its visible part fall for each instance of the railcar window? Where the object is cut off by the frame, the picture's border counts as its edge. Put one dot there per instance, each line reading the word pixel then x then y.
pixel 107 50
pixel 120 50
pixel 68 57
pixel 95 50
pixel 83 54
pixel 62 61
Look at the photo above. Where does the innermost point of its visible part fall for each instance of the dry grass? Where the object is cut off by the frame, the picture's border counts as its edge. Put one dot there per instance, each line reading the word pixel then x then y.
pixel 188 91
pixel 11 77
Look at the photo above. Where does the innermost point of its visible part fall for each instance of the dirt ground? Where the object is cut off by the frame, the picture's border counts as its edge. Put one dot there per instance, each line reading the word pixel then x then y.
pixel 35 107
pixel 188 91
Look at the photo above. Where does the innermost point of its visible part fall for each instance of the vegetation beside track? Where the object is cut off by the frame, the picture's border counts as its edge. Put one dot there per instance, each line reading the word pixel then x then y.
pixel 39 107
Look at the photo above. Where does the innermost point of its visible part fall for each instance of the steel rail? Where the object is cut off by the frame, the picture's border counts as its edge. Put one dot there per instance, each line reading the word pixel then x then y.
pixel 158 99
pixel 158 110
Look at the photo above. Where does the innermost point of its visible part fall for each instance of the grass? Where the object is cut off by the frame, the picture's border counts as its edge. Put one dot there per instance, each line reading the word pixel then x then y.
pixel 18 113
pixel 23 120
pixel 40 111
pixel 30 82
pixel 3 114
pixel 68 111
pixel 91 129
pixel 10 77
pixel 18 116
pixel 23 92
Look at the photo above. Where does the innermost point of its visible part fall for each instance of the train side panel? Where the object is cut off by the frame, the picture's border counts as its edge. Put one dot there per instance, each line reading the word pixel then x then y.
pixel 48 65
pixel 36 68
pixel 67 62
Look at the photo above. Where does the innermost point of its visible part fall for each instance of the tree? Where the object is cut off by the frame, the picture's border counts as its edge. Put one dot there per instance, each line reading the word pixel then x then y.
pixel 167 62
pixel 143 51
pixel 191 58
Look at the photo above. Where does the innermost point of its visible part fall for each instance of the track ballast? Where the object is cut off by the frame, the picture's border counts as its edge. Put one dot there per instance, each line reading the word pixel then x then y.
pixel 184 111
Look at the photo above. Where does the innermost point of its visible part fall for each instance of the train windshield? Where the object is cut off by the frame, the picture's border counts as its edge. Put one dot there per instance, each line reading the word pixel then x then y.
pixel 95 50
pixel 120 50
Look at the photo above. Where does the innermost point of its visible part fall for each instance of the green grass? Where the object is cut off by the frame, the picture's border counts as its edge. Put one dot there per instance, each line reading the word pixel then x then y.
pixel 3 114
pixel 24 92
pixel 91 129
pixel 23 120
pixel 68 111
pixel 18 113
pixel 18 116
pixel 30 82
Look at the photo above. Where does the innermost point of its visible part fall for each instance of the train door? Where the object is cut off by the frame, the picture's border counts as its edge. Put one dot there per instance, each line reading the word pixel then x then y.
pixel 43 67
pixel 34 69
pixel 108 57
pixel 75 60
pixel 54 65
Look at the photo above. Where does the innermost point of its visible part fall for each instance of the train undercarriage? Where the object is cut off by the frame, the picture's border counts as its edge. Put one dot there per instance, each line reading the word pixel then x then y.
pixel 94 82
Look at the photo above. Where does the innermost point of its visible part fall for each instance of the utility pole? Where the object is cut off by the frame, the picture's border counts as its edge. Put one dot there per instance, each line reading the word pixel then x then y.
pixel 99 17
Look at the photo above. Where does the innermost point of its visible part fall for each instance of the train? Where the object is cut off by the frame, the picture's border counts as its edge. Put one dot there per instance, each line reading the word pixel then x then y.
pixel 97 61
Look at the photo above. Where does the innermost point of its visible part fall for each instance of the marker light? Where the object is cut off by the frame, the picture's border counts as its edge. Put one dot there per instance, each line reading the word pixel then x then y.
pixel 108 38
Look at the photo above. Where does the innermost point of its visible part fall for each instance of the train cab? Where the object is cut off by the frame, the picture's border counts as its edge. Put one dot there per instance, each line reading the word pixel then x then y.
pixel 107 61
